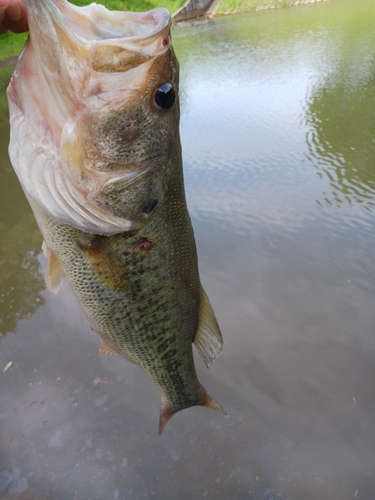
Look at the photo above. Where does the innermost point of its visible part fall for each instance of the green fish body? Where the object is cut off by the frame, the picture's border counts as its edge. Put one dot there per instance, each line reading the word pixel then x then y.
pixel 95 144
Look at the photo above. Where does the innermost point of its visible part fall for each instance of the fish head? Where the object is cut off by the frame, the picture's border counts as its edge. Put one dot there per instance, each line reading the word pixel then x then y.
pixel 95 114
pixel 130 116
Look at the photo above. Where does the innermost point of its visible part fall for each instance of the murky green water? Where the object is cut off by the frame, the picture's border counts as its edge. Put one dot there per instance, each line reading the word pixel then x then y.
pixel 278 131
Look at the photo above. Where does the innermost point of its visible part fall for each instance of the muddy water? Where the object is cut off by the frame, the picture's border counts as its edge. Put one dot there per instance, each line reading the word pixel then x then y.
pixel 278 124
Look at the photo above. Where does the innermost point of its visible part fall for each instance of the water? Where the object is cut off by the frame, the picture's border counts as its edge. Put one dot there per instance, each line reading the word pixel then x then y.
pixel 278 120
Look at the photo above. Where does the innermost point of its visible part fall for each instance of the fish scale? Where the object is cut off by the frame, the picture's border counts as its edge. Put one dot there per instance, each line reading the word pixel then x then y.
pixel 108 195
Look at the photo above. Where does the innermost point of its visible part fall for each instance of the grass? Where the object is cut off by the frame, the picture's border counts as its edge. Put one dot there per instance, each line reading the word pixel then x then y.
pixel 12 44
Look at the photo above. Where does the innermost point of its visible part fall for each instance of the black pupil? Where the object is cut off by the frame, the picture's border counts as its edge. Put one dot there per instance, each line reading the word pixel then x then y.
pixel 165 96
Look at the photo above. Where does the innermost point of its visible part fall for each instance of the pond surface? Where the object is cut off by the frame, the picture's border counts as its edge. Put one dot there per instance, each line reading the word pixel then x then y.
pixel 278 123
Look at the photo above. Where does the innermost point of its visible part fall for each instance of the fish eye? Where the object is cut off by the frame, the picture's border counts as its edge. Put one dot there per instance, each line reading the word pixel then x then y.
pixel 165 96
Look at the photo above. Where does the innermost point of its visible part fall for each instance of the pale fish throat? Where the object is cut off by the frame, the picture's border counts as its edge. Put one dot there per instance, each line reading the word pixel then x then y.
pixel 78 61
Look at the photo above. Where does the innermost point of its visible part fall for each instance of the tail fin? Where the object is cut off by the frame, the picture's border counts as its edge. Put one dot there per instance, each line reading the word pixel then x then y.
pixel 165 415
pixel 166 412
pixel 211 403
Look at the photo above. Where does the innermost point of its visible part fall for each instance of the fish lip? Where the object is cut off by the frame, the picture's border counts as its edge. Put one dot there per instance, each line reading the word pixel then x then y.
pixel 134 27
pixel 160 16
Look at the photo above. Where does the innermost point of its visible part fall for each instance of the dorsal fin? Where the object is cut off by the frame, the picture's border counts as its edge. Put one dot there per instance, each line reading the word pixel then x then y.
pixel 55 271
pixel 208 340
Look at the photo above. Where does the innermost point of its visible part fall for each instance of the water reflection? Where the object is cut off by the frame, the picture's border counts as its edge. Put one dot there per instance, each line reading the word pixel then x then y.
pixel 21 281
pixel 268 76
pixel 340 115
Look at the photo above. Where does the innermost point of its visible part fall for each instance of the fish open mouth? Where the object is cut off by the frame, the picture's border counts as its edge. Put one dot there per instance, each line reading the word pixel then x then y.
pixel 114 41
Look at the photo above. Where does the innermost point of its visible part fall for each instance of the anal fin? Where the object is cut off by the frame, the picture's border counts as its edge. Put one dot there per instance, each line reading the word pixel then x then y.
pixel 208 339
pixel 55 272
pixel 106 350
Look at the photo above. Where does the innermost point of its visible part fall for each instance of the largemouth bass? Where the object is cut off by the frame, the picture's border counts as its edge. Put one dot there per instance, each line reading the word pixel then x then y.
pixel 95 143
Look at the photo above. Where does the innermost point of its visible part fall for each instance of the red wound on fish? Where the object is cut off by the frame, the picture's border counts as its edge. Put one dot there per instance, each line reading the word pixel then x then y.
pixel 145 244
pixel 167 40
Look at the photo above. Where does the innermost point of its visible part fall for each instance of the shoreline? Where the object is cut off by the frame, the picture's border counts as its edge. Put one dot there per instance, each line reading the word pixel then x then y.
pixel 217 9
pixel 281 5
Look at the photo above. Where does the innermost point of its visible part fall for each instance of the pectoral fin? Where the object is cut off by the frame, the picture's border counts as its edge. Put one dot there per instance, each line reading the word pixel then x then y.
pixel 106 264
pixel 55 272
pixel 208 340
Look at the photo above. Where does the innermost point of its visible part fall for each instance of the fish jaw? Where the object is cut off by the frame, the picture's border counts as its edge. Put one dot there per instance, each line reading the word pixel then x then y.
pixel 77 144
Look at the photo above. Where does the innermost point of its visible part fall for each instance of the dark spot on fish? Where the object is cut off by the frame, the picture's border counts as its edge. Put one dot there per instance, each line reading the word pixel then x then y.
pixel 165 96
pixel 149 207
